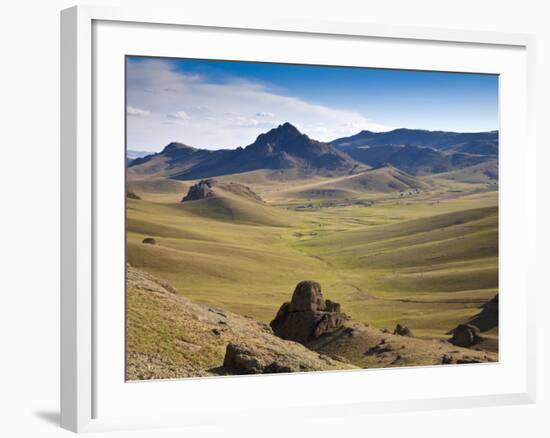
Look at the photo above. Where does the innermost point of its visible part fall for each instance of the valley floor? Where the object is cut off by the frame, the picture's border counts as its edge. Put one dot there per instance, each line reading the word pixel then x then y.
pixel 427 258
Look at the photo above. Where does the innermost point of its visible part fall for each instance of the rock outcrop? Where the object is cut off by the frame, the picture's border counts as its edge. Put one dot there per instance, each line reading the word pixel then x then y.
pixel 132 195
pixel 465 335
pixel 402 330
pixel 201 190
pixel 487 319
pixel 253 358
pixel 209 188
pixel 307 316
pixel 321 326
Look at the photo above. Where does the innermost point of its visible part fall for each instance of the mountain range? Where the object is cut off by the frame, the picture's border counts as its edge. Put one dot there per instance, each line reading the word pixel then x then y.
pixel 285 147
pixel 418 151
pixel 483 143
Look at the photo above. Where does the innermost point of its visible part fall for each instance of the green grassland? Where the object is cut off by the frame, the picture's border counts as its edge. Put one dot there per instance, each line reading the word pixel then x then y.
pixel 427 260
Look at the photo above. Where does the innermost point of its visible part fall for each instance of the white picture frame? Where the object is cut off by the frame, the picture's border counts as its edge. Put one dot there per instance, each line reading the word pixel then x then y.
pixel 83 370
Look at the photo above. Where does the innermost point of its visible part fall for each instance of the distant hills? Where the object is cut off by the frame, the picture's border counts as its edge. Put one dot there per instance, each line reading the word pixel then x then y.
pixel 285 147
pixel 416 159
pixel 131 155
pixel 418 151
pixel 485 143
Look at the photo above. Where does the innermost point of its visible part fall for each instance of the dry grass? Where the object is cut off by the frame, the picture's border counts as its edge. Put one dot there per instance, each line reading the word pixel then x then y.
pixel 428 260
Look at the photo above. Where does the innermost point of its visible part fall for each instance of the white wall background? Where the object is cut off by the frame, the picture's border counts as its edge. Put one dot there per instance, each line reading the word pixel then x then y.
pixel 29 215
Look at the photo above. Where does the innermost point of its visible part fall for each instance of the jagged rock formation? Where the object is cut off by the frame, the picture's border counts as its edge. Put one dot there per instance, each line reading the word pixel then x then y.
pixel 465 335
pixel 201 190
pixel 308 315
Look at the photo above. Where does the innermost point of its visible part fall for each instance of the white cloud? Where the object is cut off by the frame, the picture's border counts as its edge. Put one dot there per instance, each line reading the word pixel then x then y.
pixel 132 111
pixel 179 115
pixel 216 115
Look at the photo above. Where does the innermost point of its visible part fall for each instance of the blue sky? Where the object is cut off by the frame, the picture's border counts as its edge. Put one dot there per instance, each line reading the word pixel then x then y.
pixel 221 104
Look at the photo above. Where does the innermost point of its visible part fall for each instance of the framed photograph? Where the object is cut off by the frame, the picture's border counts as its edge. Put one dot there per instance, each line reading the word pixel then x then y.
pixel 261 208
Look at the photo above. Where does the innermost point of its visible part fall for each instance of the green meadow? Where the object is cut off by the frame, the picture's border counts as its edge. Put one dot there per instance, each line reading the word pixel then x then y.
pixel 427 260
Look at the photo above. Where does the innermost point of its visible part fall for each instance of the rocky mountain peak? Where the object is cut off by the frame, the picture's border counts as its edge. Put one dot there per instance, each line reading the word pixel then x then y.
pixel 178 146
pixel 281 135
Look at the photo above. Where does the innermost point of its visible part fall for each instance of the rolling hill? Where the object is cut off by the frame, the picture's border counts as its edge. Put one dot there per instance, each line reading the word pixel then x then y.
pixel 384 179
pixel 486 172
pixel 233 202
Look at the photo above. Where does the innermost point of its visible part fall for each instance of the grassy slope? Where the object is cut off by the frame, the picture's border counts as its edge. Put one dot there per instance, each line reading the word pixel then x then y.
pixel 427 273
pixel 480 173
pixel 169 336
pixel 234 264
pixel 427 261
pixel 380 180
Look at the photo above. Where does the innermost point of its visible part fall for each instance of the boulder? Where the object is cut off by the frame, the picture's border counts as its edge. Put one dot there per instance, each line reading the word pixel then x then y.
pixel 307 316
pixel 465 335
pixel 149 241
pixel 402 330
pixel 242 359
pixel 253 358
